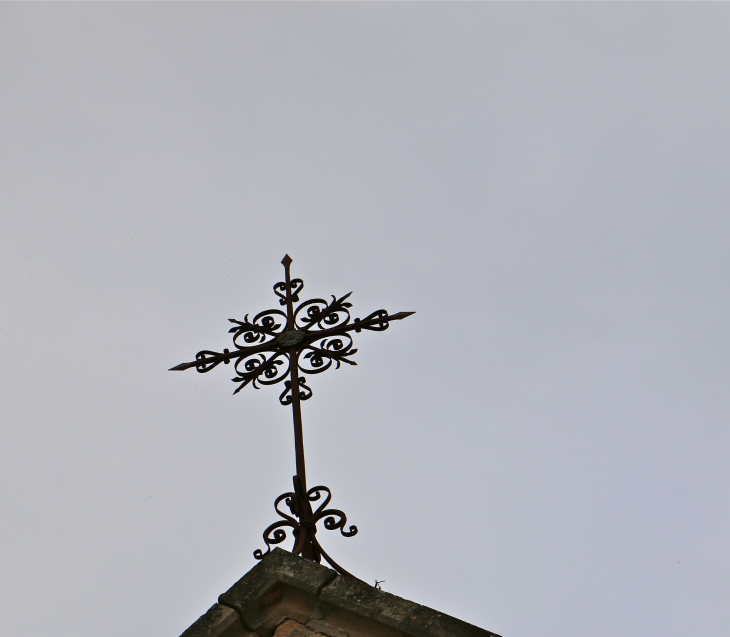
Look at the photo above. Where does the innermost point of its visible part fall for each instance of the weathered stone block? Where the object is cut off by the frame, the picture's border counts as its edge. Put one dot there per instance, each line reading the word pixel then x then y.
pixel 219 621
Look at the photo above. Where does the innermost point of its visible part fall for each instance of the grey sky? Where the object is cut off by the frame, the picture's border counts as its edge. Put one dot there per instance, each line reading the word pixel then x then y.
pixel 542 450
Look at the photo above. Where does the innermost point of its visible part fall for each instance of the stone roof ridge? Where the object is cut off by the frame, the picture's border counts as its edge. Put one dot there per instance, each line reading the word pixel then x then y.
pixel 288 596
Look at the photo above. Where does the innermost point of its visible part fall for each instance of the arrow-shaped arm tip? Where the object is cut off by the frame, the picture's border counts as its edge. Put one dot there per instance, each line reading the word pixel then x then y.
pixel 399 316
pixel 179 368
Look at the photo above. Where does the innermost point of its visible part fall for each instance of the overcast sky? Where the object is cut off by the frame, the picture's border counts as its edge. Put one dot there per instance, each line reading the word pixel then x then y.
pixel 542 450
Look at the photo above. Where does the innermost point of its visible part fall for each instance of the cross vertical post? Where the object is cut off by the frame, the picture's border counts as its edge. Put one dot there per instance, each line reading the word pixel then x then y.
pixel 302 509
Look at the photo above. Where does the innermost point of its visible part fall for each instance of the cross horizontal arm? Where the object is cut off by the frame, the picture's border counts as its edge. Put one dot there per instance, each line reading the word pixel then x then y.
pixel 212 359
pixel 226 356
pixel 365 324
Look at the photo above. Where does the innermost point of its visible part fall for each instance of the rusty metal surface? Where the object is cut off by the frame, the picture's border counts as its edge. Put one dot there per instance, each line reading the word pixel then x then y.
pixel 286 345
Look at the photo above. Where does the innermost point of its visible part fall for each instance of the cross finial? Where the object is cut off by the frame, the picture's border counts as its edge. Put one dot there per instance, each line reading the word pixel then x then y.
pixel 286 345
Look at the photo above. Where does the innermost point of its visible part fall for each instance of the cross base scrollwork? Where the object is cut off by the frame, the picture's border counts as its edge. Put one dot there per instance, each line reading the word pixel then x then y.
pixel 303 524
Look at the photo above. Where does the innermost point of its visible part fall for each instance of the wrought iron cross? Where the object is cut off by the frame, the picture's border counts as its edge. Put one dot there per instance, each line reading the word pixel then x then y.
pixel 277 346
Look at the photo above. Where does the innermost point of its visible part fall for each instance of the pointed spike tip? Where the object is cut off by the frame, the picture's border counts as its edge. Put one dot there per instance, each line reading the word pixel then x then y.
pixel 286 261
pixel 178 368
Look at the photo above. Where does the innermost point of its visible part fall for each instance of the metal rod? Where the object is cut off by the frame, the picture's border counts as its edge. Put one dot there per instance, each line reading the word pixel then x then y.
pixel 286 261
pixel 303 545
pixel 297 417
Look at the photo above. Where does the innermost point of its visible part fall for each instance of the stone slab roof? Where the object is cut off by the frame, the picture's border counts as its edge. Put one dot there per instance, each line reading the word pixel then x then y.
pixel 288 596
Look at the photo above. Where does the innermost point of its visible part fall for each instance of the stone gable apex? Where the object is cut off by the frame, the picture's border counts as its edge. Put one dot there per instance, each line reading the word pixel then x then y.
pixel 288 596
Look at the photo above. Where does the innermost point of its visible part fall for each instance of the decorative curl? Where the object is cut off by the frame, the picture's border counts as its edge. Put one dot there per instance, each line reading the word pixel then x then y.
pixel 258 369
pixel 263 326
pixel 203 362
pixel 380 325
pixel 333 518
pixel 305 393
pixel 323 314
pixel 319 358
pixel 275 533
pixel 297 285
